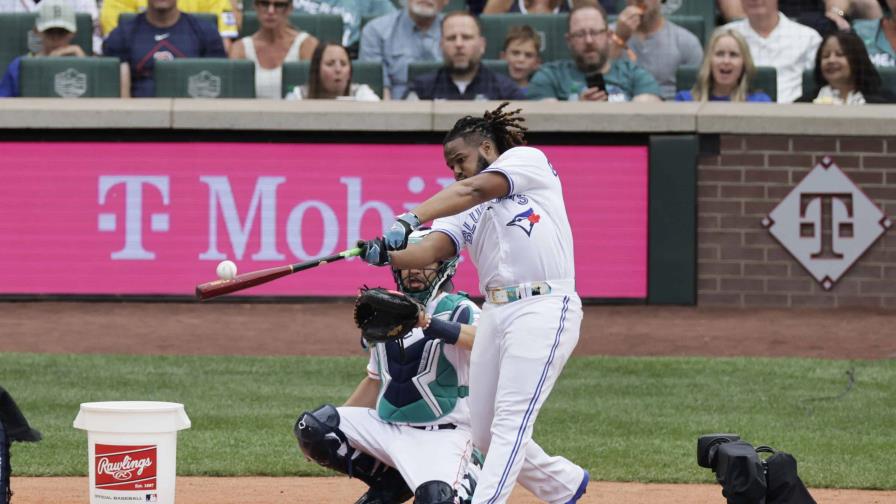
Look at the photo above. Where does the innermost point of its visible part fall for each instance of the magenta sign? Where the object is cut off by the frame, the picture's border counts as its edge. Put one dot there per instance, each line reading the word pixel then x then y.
pixel 156 218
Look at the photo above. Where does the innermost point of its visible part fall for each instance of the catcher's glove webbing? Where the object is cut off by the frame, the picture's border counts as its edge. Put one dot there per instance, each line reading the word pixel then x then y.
pixel 385 315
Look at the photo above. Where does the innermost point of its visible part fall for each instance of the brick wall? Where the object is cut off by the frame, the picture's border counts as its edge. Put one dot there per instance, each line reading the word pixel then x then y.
pixel 741 264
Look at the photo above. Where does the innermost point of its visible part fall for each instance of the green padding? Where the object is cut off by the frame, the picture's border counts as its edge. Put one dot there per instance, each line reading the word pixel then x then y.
pixel 295 73
pixel 203 16
pixel 419 68
pixel 70 77
pixel 14 28
pixel 766 80
pixel 326 27
pixel 205 78
pixel 672 256
pixel 551 27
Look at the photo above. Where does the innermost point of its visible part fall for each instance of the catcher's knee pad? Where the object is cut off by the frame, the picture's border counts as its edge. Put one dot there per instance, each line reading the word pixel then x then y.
pixel 434 492
pixel 320 438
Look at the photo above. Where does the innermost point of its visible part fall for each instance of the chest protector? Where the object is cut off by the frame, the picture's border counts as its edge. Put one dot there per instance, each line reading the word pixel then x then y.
pixel 419 385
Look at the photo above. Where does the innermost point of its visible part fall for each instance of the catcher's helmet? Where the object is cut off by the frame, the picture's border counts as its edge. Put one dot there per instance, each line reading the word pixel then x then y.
pixel 432 283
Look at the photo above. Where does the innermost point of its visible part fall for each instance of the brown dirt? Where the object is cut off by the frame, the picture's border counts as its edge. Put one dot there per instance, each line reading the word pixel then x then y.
pixel 326 329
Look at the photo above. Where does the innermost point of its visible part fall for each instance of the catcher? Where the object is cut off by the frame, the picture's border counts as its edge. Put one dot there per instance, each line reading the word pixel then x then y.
pixel 405 430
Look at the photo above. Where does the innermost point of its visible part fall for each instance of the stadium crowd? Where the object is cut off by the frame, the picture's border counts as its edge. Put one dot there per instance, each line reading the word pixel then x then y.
pixel 815 51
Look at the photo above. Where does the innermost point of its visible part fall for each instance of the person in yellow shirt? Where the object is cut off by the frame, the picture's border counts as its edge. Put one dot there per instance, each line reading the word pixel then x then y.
pixel 227 23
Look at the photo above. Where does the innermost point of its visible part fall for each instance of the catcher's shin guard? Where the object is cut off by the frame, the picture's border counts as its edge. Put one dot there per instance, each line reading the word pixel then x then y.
pixel 321 441
pixel 434 492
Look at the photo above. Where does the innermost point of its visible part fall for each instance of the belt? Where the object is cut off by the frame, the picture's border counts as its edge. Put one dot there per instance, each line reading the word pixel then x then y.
pixel 444 426
pixel 511 293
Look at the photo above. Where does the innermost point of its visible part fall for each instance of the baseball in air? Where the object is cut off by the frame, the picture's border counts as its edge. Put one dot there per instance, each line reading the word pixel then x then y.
pixel 226 270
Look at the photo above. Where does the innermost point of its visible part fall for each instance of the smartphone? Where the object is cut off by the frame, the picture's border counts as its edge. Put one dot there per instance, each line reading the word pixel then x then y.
pixel 596 80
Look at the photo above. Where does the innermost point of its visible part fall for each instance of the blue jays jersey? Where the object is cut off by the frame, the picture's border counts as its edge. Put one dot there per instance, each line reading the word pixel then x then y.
pixel 428 383
pixel 522 237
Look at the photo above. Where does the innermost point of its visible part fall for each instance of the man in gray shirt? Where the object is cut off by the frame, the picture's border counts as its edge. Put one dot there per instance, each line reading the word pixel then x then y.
pixel 658 45
pixel 405 36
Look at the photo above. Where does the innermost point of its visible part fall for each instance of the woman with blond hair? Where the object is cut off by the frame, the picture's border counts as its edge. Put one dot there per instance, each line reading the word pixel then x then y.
pixel 275 42
pixel 726 72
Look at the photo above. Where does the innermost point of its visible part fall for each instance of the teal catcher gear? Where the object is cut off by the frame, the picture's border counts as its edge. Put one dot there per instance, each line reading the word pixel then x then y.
pixel 435 279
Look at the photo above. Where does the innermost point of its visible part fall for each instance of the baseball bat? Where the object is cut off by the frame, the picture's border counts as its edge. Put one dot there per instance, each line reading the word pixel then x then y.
pixel 217 288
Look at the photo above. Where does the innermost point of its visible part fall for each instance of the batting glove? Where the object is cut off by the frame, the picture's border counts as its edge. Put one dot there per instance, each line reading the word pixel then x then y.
pixel 396 237
pixel 374 252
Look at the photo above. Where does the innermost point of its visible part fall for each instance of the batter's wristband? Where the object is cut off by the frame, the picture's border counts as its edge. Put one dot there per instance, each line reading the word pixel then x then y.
pixel 449 332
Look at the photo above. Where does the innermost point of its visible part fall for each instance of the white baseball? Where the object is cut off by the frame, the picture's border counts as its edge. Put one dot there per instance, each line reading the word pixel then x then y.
pixel 226 270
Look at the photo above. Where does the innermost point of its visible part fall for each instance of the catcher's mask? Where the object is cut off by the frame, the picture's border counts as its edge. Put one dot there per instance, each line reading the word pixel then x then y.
pixel 434 280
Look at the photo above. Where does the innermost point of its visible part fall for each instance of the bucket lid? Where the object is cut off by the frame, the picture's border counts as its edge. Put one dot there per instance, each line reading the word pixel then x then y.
pixel 132 417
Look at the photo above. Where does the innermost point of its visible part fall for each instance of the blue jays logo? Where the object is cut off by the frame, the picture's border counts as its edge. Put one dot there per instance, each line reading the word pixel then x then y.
pixel 525 221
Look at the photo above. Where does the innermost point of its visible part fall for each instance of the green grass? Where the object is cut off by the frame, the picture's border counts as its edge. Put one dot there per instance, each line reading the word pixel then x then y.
pixel 625 419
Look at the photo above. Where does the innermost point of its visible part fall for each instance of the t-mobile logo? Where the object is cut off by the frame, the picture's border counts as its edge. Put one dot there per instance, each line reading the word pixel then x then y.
pixel 826 223
pixel 133 211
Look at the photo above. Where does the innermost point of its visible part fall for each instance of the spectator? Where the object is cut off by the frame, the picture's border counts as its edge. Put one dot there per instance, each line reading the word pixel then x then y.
pixel 776 41
pixel 464 77
pixel 88 6
pixel 396 39
pixel 55 25
pixel 521 48
pixel 161 33
pixel 330 77
pixel 879 36
pixel 542 6
pixel 351 12
pixel 227 25
pixel 589 41
pixel 726 72
pixel 824 16
pixel 656 44
pixel 274 43
pixel 844 73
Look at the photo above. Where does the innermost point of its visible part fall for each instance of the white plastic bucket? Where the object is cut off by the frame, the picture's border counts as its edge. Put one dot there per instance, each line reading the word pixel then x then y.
pixel 132 449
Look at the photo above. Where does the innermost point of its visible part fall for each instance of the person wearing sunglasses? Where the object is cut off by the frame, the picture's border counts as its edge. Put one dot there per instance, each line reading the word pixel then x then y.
pixel 275 42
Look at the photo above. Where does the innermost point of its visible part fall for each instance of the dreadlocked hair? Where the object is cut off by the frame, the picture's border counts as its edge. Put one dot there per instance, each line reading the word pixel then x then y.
pixel 502 127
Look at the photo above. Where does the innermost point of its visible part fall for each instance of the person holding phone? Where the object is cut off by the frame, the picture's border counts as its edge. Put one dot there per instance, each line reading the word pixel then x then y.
pixel 592 75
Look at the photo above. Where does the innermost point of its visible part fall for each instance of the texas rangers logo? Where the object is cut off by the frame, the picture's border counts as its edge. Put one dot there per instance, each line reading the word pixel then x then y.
pixel 525 221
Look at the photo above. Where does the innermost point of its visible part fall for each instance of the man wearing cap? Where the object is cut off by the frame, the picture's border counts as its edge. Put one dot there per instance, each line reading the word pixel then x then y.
pixel 163 32
pixel 55 25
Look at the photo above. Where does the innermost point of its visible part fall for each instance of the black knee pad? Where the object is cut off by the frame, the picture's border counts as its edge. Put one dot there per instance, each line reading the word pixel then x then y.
pixel 320 438
pixel 434 492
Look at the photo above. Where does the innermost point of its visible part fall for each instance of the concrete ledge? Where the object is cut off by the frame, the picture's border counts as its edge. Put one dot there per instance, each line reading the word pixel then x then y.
pixel 84 113
pixel 581 116
pixel 310 115
pixel 543 116
pixel 796 119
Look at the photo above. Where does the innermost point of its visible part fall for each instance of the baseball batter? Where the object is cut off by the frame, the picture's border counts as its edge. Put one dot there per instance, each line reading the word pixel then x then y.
pixel 407 424
pixel 507 209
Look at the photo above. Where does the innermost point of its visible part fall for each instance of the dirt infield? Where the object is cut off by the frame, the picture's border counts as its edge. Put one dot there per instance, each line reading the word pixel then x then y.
pixel 326 329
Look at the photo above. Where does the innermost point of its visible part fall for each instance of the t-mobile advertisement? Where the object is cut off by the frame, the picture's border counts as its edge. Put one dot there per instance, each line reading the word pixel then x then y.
pixel 156 218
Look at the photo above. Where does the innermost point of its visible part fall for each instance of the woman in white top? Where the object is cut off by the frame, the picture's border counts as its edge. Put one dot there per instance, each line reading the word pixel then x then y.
pixel 330 77
pixel 275 42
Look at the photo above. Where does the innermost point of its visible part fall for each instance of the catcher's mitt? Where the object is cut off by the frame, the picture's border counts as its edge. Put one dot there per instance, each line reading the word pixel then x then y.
pixel 385 315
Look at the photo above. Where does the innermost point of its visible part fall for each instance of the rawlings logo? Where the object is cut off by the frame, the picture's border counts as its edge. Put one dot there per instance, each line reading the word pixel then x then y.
pixel 122 470
pixel 125 467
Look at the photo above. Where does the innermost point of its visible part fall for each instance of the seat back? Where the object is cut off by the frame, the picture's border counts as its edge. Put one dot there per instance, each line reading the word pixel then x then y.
pixel 68 77
pixel 766 80
pixel 205 78
pixel 295 73
pixel 326 27
pixel 551 27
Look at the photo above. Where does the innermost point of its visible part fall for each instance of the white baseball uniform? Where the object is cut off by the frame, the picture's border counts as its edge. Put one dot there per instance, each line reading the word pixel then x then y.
pixel 522 248
pixel 421 424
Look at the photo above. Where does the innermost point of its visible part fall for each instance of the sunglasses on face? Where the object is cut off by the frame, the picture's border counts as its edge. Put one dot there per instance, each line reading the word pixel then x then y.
pixel 266 4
